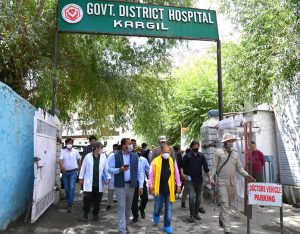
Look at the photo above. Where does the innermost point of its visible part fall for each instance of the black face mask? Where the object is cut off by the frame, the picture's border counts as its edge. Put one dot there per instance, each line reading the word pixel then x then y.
pixel 195 150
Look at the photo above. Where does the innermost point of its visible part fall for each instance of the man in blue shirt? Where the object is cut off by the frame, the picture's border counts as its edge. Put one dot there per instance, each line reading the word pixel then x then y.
pixel 111 188
pixel 127 176
pixel 144 165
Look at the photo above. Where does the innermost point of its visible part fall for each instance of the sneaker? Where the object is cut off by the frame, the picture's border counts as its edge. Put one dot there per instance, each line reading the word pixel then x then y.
pixel 191 219
pixel 156 219
pixel 202 211
pixel 135 219
pixel 108 207
pixel 182 204
pixel 196 216
pixel 168 230
pixel 142 214
pixel 69 209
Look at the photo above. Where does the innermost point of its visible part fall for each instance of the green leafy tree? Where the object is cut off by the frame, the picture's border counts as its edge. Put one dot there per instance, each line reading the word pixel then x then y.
pixel 101 79
pixel 266 56
pixel 195 93
pixel 268 52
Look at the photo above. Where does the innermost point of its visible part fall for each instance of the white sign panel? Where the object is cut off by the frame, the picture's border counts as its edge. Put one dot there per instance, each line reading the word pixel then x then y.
pixel 265 194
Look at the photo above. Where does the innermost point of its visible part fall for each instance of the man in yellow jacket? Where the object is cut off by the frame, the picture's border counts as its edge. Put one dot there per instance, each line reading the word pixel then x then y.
pixel 163 175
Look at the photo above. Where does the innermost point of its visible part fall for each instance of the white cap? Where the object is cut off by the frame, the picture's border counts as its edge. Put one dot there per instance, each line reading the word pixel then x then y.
pixel 162 139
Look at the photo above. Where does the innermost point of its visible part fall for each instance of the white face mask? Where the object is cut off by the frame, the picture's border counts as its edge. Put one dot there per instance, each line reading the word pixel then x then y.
pixel 69 146
pixel 130 148
pixel 165 155
pixel 229 145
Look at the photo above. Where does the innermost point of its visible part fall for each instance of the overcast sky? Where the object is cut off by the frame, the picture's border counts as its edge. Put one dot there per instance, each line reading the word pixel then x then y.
pixel 184 54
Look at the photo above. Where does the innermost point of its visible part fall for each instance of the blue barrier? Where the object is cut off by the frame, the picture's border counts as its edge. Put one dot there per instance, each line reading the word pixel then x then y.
pixel 16 147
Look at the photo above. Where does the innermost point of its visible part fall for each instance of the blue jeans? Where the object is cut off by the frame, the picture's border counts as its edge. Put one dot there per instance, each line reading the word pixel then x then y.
pixel 69 179
pixel 159 200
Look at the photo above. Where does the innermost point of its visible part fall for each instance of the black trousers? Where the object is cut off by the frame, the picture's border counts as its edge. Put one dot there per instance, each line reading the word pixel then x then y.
pixel 94 198
pixel 194 190
pixel 135 201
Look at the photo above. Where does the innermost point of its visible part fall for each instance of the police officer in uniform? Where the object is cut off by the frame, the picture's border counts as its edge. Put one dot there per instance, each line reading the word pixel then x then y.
pixel 226 163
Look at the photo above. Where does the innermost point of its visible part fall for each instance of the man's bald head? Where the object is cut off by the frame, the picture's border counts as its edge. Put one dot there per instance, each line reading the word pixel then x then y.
pixel 165 149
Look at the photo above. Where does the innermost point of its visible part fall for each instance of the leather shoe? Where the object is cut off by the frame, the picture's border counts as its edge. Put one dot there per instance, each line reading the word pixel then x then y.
pixel 202 211
pixel 85 218
pixel 182 204
pixel 197 217
pixel 108 208
pixel 142 214
pixel 191 219
pixel 221 223
pixel 135 219
pixel 227 232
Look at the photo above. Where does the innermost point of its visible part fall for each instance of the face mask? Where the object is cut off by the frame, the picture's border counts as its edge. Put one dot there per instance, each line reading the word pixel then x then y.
pixel 165 155
pixel 195 150
pixel 69 146
pixel 130 148
pixel 229 145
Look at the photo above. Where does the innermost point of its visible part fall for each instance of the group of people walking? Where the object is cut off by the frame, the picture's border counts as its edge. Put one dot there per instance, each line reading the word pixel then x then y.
pixel 130 173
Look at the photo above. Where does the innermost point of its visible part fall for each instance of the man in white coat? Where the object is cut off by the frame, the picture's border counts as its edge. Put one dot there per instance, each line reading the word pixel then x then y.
pixel 93 175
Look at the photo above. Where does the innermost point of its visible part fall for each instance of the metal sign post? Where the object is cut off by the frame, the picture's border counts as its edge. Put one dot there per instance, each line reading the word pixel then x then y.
pixel 248 167
pixel 281 220
pixel 54 78
pixel 219 64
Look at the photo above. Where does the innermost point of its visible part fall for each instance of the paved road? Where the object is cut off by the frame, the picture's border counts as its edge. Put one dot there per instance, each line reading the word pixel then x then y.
pixel 57 220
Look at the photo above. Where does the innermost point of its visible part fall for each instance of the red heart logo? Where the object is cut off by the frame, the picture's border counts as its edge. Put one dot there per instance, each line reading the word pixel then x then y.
pixel 72 13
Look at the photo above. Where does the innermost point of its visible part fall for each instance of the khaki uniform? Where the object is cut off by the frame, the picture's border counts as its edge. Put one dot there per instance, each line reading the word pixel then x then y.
pixel 226 181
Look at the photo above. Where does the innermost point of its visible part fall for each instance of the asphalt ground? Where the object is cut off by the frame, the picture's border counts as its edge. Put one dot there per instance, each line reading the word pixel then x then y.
pixel 57 220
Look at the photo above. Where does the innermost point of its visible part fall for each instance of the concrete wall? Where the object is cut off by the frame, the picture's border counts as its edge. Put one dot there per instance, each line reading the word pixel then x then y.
pixel 287 112
pixel 16 147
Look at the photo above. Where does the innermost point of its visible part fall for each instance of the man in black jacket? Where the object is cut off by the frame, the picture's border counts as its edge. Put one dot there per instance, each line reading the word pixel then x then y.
pixel 193 163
